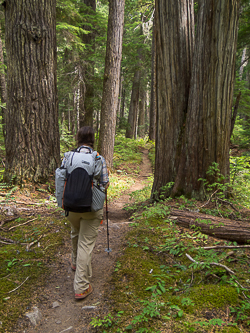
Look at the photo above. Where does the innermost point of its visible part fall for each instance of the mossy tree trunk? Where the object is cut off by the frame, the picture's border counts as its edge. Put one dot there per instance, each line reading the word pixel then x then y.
pixel 32 131
pixel 111 80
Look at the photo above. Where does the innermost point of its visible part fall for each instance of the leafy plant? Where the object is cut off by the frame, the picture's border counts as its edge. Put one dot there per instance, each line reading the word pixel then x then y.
pixel 106 322
pixel 242 311
pixel 151 309
pixel 218 185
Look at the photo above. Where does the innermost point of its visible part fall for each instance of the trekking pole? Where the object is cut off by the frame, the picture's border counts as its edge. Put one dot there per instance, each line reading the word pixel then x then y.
pixel 106 197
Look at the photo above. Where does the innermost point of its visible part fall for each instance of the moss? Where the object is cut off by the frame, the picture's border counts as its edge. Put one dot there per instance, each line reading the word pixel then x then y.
pixel 213 296
pixel 19 262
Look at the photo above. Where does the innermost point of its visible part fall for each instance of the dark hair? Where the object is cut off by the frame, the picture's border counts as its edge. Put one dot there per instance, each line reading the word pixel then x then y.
pixel 85 136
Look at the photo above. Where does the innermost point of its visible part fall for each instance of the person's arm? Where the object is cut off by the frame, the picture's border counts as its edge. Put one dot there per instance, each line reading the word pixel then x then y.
pixel 65 160
pixel 104 178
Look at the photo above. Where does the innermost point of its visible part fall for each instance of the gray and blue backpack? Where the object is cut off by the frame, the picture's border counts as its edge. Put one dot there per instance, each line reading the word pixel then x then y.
pixel 77 186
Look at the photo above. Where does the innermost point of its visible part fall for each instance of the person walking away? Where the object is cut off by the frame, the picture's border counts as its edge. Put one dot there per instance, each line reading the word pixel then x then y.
pixel 84 226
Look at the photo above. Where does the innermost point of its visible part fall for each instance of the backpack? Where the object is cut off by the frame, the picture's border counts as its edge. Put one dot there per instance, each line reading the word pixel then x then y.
pixel 77 186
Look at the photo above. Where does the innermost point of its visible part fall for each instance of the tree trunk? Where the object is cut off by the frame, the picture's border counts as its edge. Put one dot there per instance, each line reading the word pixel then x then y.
pixel 32 131
pixel 243 63
pixel 122 109
pixel 174 29
pixel 235 112
pixel 118 111
pixel 3 90
pixel 235 231
pixel 141 118
pixel 152 111
pixel 208 125
pixel 111 80
pixel 133 107
pixel 88 39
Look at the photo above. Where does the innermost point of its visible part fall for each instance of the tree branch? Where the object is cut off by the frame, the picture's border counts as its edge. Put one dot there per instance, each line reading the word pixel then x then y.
pixel 15 226
pixel 18 286
pixel 211 263
pixel 224 247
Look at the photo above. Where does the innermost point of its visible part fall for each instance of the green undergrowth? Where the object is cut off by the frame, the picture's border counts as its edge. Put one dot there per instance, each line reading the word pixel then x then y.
pixel 157 288
pixel 24 264
pixel 118 184
pixel 127 154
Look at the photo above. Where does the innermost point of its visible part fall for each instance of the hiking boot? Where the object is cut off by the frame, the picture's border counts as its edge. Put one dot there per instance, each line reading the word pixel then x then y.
pixel 86 293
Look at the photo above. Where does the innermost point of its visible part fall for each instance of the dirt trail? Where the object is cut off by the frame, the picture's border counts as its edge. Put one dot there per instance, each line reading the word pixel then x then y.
pixel 60 312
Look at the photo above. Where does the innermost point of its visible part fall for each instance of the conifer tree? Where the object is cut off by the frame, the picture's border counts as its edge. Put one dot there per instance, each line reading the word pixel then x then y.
pixel 32 133
pixel 111 80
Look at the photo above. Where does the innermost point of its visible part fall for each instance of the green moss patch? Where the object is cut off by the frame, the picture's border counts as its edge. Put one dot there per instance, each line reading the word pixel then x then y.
pixel 23 264
pixel 213 296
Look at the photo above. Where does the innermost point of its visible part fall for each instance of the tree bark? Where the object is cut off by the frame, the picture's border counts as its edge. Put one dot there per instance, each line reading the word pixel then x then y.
pixel 32 131
pixel 141 118
pixel 244 62
pixel 152 111
pixel 3 90
pixel 174 29
pixel 231 230
pixel 122 109
pixel 235 112
pixel 89 39
pixel 111 80
pixel 208 125
pixel 133 107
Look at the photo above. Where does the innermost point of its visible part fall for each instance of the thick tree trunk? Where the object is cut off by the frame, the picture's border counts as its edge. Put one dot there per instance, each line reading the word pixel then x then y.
pixel 174 28
pixel 111 80
pixel 152 111
pixel 208 125
pixel 133 107
pixel 3 90
pixel 32 131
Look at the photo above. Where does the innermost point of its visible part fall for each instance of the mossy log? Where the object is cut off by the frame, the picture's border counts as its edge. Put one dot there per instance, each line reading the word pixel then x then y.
pixel 232 230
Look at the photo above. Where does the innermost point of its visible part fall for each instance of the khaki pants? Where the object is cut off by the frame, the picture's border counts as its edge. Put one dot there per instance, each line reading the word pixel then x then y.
pixel 84 231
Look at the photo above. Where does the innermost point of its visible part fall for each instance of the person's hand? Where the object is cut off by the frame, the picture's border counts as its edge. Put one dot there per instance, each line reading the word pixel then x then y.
pixel 106 186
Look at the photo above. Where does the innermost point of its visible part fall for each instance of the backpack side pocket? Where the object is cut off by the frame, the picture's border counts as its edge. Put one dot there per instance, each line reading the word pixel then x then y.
pixel 60 178
pixel 97 199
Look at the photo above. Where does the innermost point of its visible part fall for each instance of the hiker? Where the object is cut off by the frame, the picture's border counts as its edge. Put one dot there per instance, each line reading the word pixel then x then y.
pixel 84 226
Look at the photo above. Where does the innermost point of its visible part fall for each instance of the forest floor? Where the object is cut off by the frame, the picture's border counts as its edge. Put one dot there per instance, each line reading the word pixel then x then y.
pixel 36 280
pixel 58 311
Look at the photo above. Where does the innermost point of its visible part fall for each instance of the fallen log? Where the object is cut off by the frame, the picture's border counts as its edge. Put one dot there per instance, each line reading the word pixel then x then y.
pixel 232 230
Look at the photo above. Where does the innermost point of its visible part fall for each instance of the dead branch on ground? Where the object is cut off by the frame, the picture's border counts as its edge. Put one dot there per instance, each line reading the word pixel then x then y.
pixel 15 226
